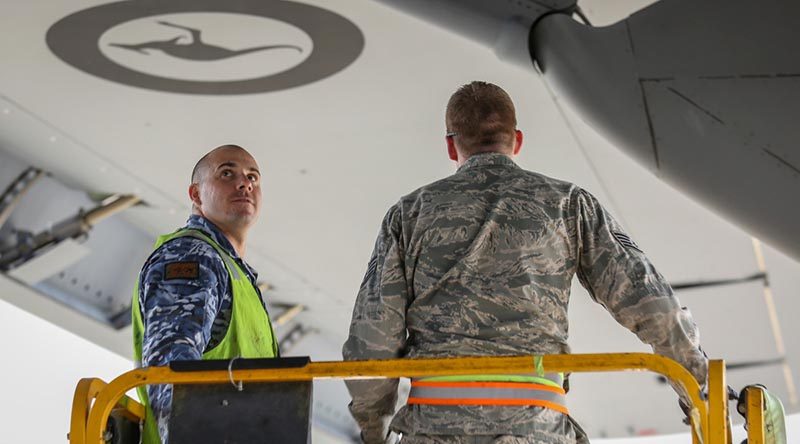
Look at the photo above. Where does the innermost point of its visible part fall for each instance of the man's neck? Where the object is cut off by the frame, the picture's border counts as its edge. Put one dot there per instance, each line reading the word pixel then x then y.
pixel 462 159
pixel 237 240
pixel 236 236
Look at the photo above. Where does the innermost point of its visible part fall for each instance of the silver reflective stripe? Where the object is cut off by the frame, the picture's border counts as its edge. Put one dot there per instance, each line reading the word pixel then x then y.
pixel 487 393
pixel 231 264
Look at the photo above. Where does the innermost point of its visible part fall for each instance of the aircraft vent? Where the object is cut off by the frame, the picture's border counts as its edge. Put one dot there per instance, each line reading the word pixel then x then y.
pixel 68 244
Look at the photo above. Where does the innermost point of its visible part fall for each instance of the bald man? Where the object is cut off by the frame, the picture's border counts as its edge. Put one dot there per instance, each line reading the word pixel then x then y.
pixel 196 297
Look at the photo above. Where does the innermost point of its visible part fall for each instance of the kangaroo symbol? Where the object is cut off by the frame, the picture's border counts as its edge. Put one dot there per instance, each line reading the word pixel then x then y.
pixel 196 49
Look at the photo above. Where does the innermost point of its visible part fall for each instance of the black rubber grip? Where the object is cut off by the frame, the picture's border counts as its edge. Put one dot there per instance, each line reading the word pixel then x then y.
pixel 239 364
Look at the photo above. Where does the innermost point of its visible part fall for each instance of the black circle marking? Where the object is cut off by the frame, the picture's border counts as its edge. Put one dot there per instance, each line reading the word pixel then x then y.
pixel 337 43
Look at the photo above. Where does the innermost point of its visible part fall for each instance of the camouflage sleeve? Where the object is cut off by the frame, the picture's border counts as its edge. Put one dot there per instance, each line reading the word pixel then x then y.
pixel 378 329
pixel 620 278
pixel 178 312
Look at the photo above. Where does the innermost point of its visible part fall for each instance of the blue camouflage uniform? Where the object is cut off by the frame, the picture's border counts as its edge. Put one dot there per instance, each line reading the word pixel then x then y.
pixel 183 318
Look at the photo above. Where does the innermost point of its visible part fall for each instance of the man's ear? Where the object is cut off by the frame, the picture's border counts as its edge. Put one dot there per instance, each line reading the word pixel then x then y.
pixel 194 194
pixel 452 152
pixel 517 141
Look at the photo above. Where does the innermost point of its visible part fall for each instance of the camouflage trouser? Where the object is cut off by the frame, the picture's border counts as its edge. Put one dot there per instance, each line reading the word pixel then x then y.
pixel 458 439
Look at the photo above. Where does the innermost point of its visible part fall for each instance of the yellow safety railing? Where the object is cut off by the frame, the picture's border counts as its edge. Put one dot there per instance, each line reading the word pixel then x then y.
pixel 709 418
pixel 85 393
pixel 755 415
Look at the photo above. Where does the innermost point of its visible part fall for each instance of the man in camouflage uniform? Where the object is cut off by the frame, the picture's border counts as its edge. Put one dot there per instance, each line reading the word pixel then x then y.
pixel 184 294
pixel 481 263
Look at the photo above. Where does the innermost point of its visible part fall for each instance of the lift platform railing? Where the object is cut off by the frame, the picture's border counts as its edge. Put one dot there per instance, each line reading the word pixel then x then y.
pixel 94 400
pixel 756 432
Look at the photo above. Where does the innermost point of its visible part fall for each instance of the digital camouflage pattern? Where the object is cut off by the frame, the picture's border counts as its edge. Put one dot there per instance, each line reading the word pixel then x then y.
pixel 183 318
pixel 461 439
pixel 481 263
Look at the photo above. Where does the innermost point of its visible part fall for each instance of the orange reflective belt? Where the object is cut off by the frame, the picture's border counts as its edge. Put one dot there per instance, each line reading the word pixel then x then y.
pixel 487 393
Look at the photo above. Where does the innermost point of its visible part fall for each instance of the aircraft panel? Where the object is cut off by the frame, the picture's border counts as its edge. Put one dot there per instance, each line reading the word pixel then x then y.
pixel 718 38
pixel 336 154
pixel 701 150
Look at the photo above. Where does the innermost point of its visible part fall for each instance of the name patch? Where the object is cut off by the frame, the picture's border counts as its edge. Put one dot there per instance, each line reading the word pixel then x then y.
pixel 182 270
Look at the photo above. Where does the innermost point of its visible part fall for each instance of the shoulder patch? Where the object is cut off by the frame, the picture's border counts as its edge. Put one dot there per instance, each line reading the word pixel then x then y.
pixel 371 269
pixel 182 270
pixel 626 241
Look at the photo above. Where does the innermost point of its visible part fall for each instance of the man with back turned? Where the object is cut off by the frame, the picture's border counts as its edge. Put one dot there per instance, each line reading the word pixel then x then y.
pixel 481 263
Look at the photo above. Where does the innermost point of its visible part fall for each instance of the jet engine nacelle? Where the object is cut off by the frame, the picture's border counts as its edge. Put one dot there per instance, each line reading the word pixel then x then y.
pixel 706 95
pixel 503 26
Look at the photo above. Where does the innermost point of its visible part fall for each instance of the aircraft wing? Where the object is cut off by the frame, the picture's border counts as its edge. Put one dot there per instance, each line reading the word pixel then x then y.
pixel 703 94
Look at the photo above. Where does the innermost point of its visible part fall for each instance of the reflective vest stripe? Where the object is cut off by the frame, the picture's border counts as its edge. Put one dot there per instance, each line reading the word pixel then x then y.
pixel 477 392
pixel 489 385
pixel 490 401
pixel 232 267
pixel 520 390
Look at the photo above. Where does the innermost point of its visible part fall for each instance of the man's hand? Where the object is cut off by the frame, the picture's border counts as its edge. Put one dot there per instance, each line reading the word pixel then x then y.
pixel 687 411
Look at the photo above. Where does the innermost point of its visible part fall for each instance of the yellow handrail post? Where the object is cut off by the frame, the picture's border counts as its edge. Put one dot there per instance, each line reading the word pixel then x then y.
pixel 85 392
pixel 755 415
pixel 717 402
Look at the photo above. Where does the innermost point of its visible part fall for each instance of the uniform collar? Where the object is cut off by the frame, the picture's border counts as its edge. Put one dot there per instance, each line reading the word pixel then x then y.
pixel 487 159
pixel 197 222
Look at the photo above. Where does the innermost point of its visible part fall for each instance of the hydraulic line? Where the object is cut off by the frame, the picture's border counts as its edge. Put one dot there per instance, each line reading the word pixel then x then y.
pixel 74 227
pixel 14 192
